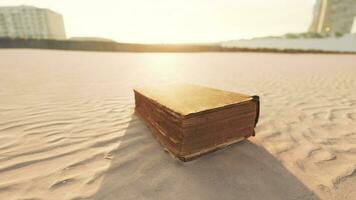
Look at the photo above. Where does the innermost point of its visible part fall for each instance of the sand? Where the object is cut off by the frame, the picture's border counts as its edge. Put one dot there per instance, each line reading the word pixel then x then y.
pixel 345 43
pixel 68 130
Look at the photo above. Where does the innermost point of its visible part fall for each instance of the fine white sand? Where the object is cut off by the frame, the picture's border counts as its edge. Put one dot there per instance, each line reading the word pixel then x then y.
pixel 67 128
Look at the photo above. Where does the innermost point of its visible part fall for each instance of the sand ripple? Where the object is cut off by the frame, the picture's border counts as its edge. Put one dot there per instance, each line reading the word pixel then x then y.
pixel 67 128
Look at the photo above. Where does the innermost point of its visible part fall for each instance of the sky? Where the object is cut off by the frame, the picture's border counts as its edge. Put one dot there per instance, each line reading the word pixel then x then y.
pixel 178 21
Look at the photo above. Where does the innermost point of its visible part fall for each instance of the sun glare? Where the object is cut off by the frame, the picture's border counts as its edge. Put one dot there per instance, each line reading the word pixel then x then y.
pixel 177 21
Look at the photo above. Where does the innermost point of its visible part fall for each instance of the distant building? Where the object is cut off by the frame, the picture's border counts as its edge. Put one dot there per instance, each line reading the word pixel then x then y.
pixel 333 16
pixel 98 39
pixel 31 22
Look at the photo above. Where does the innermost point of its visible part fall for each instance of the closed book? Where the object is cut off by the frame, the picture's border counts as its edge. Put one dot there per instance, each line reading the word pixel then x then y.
pixel 191 120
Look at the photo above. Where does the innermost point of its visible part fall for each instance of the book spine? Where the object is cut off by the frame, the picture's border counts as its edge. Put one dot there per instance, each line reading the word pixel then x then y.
pixel 256 99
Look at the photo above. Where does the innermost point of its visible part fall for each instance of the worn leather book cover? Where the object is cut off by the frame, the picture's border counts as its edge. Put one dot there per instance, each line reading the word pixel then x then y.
pixel 191 120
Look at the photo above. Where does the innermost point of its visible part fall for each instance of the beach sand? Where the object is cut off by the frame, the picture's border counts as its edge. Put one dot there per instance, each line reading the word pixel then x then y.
pixel 68 128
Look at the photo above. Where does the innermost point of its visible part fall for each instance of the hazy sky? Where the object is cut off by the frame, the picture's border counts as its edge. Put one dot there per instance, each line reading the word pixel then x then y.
pixel 178 20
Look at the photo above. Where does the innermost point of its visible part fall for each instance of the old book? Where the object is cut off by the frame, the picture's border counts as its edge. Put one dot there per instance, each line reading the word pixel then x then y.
pixel 191 120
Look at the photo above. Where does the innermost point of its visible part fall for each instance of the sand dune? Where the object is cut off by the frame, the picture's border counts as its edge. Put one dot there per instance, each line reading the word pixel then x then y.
pixel 343 44
pixel 68 130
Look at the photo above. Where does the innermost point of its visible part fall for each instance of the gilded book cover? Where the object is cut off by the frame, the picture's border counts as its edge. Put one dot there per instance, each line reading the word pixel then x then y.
pixel 191 120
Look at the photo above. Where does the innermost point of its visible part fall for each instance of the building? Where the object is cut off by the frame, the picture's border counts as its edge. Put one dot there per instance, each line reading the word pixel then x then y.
pixel 333 16
pixel 97 39
pixel 31 22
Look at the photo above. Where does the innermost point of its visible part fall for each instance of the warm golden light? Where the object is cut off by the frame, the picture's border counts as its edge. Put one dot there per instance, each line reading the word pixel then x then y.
pixel 178 21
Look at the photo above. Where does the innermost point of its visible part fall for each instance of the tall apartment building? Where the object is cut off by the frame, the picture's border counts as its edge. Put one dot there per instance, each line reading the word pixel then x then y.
pixel 31 22
pixel 333 16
